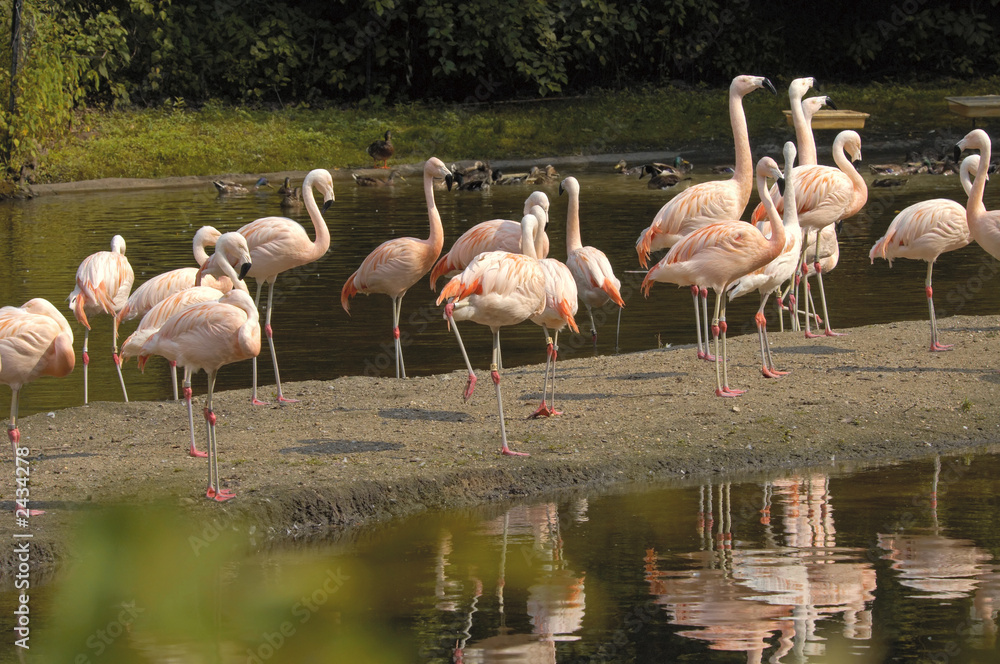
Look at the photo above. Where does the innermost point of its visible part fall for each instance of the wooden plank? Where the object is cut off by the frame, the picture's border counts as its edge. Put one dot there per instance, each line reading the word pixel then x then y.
pixel 986 106
pixel 831 119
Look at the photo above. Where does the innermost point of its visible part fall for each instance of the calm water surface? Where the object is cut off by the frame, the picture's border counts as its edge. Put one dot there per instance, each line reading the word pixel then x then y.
pixel 45 239
pixel 894 564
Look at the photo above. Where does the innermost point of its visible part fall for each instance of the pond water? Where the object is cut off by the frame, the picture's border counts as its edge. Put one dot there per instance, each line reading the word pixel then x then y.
pixel 45 239
pixel 896 563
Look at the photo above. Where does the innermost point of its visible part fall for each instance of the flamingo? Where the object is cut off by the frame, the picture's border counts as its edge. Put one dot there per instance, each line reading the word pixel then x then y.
pixel 497 288
pixel 768 279
pixel 278 244
pixel 717 255
pixel 561 305
pixel 984 225
pixel 826 195
pixel 924 231
pixel 208 336
pixel 35 340
pixel 708 202
pixel 395 265
pixel 492 235
pixel 595 280
pixel 103 282
pixel 158 288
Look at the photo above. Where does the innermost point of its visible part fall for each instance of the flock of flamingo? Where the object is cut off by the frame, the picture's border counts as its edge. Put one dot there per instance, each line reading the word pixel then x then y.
pixel 202 318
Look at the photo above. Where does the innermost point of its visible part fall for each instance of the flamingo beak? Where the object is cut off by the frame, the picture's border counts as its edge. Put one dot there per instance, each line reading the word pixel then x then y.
pixel 829 102
pixel 781 186
pixel 244 269
pixel 770 86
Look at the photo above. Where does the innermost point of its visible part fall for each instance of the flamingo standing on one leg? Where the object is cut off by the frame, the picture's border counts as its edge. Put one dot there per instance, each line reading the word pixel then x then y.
pixel 595 279
pixel 708 202
pixel 158 288
pixel 717 255
pixel 103 282
pixel 278 244
pixel 35 340
pixel 924 231
pixel 561 304
pixel 497 288
pixel 492 235
pixel 769 278
pixel 208 336
pixel 397 264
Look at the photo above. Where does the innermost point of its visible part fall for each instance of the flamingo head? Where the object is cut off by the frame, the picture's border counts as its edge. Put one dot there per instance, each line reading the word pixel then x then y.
pixel 800 86
pixel 745 84
pixel 976 139
pixel 570 184
pixel 118 245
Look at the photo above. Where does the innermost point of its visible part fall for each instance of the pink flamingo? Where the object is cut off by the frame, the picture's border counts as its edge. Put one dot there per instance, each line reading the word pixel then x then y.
pixel 825 196
pixel 717 255
pixel 208 336
pixel 708 202
pixel 395 265
pixel 103 282
pixel 497 288
pixel 595 280
pixel 35 340
pixel 984 225
pixel 768 279
pixel 561 305
pixel 158 288
pixel 278 244
pixel 924 231
pixel 492 235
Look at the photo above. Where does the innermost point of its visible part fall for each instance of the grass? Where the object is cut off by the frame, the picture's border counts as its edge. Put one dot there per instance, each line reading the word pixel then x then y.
pixel 174 140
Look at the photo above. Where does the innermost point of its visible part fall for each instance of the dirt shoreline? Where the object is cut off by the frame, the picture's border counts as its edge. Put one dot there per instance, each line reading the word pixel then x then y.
pixel 356 450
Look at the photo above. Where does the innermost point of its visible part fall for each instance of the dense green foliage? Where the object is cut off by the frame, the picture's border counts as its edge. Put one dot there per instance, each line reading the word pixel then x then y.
pixel 274 53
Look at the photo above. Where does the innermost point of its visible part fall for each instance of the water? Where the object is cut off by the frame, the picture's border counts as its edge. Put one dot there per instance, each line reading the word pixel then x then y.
pixel 49 236
pixel 898 563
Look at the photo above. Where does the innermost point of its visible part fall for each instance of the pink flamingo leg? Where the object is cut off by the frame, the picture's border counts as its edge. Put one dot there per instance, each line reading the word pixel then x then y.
pixel 253 394
pixel 173 378
pixel 470 384
pixel 495 374
pixel 214 492
pixel 14 434
pixel 270 343
pixel 543 410
pixel 730 392
pixel 86 366
pixel 704 309
pixel 193 450
pixel 936 346
pixel 697 323
pixel 555 356
pixel 397 306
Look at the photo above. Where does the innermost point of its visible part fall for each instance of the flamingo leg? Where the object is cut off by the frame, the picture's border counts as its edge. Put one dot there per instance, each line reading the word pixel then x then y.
pixel 86 366
pixel 936 346
pixel 253 394
pixel 470 384
pixel 593 327
pixel 704 313
pixel 14 434
pixel 270 343
pixel 215 491
pixel 495 374
pixel 726 390
pixel 117 360
pixel 715 336
pixel 173 378
pixel 822 294
pixel 397 308
pixel 543 409
pixel 765 345
pixel 618 329
pixel 555 355
pixel 697 323
pixel 193 450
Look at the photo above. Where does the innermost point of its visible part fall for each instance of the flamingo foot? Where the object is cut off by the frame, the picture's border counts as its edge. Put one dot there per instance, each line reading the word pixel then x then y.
pixel 553 412
pixel 937 347
pixel 219 495
pixel 198 454
pixel 257 402
pixel 470 386
pixel 282 399
pixel 831 333
pixel 772 373
pixel 543 411
pixel 506 451
pixel 728 393
pixel 708 357
pixel 812 335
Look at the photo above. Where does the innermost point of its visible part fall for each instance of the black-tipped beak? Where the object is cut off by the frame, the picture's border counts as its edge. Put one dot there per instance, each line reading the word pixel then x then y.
pixel 244 269
pixel 561 190
pixel 770 86
pixel 326 205
pixel 830 104
pixel 453 179
pixel 958 153
pixel 781 186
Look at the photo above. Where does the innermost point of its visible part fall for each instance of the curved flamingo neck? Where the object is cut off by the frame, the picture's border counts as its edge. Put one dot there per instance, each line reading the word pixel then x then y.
pixel 201 243
pixel 776 243
pixel 322 243
pixel 529 229
pixel 860 195
pixel 436 238
pixel 804 139
pixel 975 208
pixel 573 240
pixel 965 174
pixel 743 171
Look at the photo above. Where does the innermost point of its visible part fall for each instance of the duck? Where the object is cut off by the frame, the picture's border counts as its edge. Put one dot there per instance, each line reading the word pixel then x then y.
pixel 477 177
pixel 292 199
pixel 548 175
pixel 382 149
pixel 680 166
pixel 623 168
pixel 229 188
pixel 661 179
pixel 371 181
pixel 501 178
pixel 888 182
